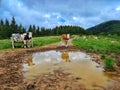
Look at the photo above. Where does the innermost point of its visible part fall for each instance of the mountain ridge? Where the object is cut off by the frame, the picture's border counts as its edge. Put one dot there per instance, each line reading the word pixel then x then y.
pixel 108 27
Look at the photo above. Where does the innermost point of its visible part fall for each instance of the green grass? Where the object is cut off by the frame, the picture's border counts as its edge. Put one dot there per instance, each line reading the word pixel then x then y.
pixel 102 45
pixel 37 41
pixel 109 64
pixel 41 41
pixel 5 44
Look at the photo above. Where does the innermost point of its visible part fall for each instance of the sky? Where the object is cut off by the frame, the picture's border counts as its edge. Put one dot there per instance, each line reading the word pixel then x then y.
pixel 52 13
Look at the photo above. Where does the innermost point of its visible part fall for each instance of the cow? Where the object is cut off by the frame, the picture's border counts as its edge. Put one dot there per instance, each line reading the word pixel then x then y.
pixel 65 38
pixel 25 38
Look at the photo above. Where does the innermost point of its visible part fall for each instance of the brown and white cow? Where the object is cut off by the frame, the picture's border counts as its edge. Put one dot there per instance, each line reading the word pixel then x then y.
pixel 65 38
pixel 16 37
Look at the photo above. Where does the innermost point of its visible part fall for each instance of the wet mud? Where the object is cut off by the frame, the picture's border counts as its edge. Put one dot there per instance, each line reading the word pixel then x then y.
pixel 56 80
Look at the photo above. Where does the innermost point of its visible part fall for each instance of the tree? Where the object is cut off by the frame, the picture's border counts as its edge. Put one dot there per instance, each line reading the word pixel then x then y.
pixel 1 22
pixel 21 29
pixel 7 29
pixel 30 28
pixel 1 28
pixel 13 26
pixel 34 30
pixel 37 31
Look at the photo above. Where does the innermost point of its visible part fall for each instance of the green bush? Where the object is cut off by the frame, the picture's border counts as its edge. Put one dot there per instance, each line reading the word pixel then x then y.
pixel 109 64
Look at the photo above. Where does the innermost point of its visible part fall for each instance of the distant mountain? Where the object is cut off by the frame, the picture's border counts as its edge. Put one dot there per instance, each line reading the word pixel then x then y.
pixel 109 27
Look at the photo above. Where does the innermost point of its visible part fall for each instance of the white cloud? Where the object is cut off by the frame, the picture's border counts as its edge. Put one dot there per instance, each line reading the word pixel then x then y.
pixel 117 8
pixel 47 15
pixel 78 19
pixel 75 18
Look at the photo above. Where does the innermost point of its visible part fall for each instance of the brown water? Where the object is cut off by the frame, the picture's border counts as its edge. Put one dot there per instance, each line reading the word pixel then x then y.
pixel 77 63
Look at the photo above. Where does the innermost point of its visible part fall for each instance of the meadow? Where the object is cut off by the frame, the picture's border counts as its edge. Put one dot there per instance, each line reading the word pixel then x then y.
pixel 103 44
pixel 98 44
pixel 37 41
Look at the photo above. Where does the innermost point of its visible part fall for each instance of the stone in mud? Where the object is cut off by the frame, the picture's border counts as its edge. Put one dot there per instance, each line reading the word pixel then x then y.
pixel 78 78
pixel 30 87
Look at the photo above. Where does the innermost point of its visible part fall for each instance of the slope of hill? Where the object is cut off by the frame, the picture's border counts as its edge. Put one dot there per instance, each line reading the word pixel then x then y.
pixel 109 27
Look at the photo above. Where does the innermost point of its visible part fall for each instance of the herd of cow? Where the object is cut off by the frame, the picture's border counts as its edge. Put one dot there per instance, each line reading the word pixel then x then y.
pixel 26 39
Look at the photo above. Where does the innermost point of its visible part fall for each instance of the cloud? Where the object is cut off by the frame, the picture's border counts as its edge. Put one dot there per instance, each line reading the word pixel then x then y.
pixel 117 8
pixel 75 18
pixel 45 13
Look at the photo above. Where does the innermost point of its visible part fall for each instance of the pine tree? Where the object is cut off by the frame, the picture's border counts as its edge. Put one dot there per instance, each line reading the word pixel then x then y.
pixel 30 28
pixel 13 26
pixel 37 31
pixel 7 29
pixel 1 28
pixel 34 30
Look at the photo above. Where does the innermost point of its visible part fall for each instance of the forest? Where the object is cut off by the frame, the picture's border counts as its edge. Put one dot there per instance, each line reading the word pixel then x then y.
pixel 7 28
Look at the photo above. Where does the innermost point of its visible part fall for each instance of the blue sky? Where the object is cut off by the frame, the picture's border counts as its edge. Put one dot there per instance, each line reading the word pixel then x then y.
pixel 51 13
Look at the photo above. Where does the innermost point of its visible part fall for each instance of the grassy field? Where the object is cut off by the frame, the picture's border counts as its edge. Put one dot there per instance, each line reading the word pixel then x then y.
pixel 37 41
pixel 109 44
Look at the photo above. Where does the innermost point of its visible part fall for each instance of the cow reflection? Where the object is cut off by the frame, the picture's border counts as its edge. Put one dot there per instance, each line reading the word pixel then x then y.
pixel 30 62
pixel 65 56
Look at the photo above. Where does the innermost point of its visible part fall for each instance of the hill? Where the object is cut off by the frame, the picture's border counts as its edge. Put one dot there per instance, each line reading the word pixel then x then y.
pixel 109 27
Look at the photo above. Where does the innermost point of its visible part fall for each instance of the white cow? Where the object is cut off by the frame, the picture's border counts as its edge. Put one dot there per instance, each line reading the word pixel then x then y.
pixel 16 37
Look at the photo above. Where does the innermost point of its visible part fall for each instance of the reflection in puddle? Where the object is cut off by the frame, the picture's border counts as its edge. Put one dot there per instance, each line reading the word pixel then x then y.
pixel 80 65
pixel 65 56
pixel 30 62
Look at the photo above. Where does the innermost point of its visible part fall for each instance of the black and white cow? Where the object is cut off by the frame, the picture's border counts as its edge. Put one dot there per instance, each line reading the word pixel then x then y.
pixel 25 38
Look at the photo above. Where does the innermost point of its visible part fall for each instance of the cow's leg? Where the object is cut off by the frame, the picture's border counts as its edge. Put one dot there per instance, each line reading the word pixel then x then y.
pixel 24 43
pixel 66 43
pixel 62 42
pixel 31 42
pixel 13 44
pixel 28 43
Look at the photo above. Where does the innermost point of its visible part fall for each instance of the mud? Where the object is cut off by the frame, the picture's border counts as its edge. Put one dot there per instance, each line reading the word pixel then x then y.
pixel 11 72
pixel 56 80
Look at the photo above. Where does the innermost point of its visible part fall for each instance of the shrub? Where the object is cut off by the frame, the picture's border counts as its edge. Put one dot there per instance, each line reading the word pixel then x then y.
pixel 108 64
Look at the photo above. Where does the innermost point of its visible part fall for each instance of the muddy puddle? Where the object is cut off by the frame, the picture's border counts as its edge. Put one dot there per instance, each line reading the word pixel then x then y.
pixel 77 63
